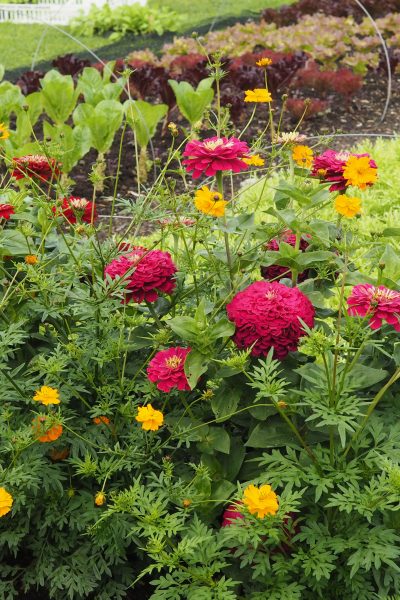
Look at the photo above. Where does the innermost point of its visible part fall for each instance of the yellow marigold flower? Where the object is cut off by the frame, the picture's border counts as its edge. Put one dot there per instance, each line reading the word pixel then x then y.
pixel 359 172
pixel 150 419
pixel 6 502
pixel 258 95
pixel 255 160
pixel 264 62
pixel 99 498
pixel 209 202
pixel 260 501
pixel 186 503
pixel 47 395
pixel 31 259
pixel 303 156
pixel 348 207
pixel 4 132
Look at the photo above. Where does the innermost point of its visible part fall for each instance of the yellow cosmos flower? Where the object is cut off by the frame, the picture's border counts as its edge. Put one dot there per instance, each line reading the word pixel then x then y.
pixel 4 132
pixel 209 202
pixel 99 498
pixel 150 419
pixel 47 395
pixel 255 160
pixel 303 156
pixel 264 62
pixel 260 501
pixel 6 502
pixel 31 259
pixel 348 207
pixel 258 95
pixel 359 172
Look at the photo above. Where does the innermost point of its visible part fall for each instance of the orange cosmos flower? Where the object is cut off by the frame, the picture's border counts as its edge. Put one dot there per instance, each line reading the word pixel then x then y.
pixel 303 156
pixel 99 498
pixel 44 434
pixel 102 419
pixel 264 62
pixel 359 172
pixel 258 95
pixel 210 202
pixel 6 502
pixel 150 418
pixel 31 259
pixel 260 501
pixel 348 207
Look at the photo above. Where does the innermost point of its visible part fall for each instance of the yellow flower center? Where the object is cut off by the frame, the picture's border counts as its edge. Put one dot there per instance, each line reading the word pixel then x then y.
pixel 213 145
pixel 173 362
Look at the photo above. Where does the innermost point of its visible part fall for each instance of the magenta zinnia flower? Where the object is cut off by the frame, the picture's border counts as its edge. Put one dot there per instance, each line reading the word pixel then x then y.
pixel 167 370
pixel 267 315
pixel 276 272
pixel 230 514
pixel 215 154
pixel 6 210
pixel 379 303
pixel 147 273
pixel 35 166
pixel 329 166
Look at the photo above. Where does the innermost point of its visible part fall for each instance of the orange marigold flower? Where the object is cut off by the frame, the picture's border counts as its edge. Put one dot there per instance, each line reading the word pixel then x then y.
pixel 44 433
pixel 258 95
pixel 261 500
pixel 31 259
pixel 4 132
pixel 209 202
pixel 47 395
pixel 6 502
pixel 150 418
pixel 359 172
pixel 303 156
pixel 347 206
pixel 255 160
pixel 264 62
pixel 101 419
pixel 99 498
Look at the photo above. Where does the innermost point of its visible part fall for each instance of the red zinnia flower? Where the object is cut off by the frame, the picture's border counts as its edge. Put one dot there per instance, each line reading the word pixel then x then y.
pixel 35 166
pixel 167 369
pixel 76 209
pixel 267 315
pixel 330 165
pixel 276 272
pixel 6 210
pixel 380 303
pixel 215 154
pixel 150 272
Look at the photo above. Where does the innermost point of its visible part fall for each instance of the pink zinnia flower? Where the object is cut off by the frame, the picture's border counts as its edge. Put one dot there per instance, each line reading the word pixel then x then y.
pixel 329 166
pixel 6 210
pixel 267 314
pixel 76 209
pixel 150 272
pixel 230 515
pixel 276 272
pixel 379 303
pixel 35 166
pixel 167 370
pixel 215 154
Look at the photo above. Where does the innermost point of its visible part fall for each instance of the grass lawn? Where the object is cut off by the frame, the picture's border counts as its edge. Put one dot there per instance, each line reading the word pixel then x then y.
pixel 20 44
pixel 195 12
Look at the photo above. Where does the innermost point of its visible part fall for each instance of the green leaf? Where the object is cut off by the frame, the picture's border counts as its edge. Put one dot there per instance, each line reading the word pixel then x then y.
pixel 195 365
pixel 362 377
pixel 308 258
pixel 214 438
pixel 185 327
pixel 265 435
pixel 193 103
pixel 225 402
pixel 223 328
pixel 13 243
pixel 103 121
pixel 59 96
pixel 143 118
